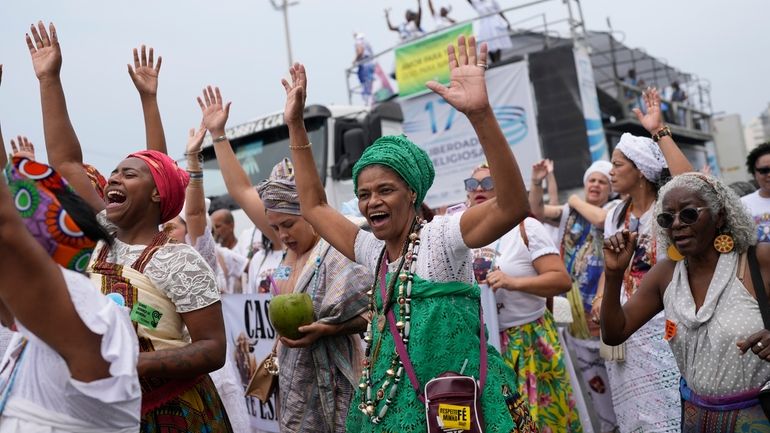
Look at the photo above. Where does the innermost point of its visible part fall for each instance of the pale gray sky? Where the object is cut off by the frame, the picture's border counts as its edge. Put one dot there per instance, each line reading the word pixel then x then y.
pixel 239 45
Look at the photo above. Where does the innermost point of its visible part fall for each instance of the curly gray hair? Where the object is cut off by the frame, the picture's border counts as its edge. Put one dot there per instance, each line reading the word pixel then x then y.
pixel 719 198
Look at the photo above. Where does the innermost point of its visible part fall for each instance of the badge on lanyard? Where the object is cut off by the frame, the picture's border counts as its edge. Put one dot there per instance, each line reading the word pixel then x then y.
pixel 670 330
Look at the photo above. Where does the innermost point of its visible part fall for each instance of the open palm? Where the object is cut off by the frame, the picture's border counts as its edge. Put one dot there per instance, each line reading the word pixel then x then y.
pixel 652 119
pixel 215 113
pixel 467 90
pixel 44 50
pixel 145 71
pixel 295 94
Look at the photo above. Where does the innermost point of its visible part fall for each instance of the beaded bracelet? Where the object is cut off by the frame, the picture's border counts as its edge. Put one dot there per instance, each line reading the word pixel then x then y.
pixel 304 146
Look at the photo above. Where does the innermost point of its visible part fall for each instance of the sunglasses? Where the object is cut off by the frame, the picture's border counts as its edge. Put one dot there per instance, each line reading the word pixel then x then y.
pixel 762 170
pixel 487 184
pixel 687 216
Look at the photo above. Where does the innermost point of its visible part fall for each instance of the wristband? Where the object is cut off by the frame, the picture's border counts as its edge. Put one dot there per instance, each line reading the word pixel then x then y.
pixel 220 138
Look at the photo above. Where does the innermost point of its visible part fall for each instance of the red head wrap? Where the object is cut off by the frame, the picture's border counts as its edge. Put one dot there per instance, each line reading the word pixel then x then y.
pixel 170 180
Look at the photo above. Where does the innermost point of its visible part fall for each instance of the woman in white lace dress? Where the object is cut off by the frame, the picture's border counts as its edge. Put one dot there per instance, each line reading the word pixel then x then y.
pixel 169 288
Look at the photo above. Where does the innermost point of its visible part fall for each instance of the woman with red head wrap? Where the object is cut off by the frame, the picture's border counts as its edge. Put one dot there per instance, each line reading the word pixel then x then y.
pixel 168 287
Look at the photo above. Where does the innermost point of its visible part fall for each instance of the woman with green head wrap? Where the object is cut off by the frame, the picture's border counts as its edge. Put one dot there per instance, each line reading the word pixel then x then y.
pixel 424 277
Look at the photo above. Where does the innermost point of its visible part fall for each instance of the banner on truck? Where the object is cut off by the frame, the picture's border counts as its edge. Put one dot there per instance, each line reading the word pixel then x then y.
pixel 426 59
pixel 451 142
pixel 250 337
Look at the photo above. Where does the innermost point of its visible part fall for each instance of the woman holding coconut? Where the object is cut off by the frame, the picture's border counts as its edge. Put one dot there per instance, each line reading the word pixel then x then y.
pixel 439 318
pixel 318 365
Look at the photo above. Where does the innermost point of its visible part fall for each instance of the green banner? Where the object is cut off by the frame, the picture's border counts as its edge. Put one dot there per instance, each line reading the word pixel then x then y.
pixel 426 59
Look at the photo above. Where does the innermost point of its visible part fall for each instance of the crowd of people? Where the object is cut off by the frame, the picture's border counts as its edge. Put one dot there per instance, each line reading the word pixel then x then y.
pixel 120 327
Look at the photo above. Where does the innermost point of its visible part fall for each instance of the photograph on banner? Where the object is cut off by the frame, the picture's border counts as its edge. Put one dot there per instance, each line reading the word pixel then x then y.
pixel 451 142
pixel 250 338
pixel 426 59
pixel 597 143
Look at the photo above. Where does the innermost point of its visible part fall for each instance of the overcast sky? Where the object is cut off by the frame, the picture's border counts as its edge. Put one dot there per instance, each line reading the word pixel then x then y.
pixel 239 45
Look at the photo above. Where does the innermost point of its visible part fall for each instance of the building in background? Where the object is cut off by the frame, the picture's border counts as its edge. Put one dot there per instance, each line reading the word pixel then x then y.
pixel 731 148
pixel 757 130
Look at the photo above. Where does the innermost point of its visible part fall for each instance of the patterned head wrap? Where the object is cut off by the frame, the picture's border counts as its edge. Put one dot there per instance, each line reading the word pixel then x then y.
pixel 170 180
pixel 645 154
pixel 600 166
pixel 409 161
pixel 33 186
pixel 279 192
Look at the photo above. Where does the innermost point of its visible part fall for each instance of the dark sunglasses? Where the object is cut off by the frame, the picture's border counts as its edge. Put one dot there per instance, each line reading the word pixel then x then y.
pixel 687 216
pixel 487 184
pixel 762 170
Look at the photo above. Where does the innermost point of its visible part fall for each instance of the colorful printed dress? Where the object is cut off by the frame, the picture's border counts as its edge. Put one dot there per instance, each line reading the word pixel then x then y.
pixel 444 335
pixel 719 384
pixel 163 280
pixel 645 387
pixel 530 341
pixel 316 383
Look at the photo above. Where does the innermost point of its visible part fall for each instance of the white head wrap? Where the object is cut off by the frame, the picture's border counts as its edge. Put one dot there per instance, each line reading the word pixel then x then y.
pixel 645 154
pixel 600 166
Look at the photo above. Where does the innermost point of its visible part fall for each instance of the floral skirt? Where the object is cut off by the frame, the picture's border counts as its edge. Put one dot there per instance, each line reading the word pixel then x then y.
pixel 533 352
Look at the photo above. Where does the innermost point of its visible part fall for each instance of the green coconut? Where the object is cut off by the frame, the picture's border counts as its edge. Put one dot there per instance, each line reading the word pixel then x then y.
pixel 290 311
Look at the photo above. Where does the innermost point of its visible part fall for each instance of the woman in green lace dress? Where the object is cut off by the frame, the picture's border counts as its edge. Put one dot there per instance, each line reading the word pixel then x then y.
pixel 391 180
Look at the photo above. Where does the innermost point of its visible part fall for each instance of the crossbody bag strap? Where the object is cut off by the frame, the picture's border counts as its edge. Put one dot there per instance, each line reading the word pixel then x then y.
pixel 404 355
pixel 759 286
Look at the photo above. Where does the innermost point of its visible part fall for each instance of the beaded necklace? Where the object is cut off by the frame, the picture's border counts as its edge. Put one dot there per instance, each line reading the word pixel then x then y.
pixel 370 400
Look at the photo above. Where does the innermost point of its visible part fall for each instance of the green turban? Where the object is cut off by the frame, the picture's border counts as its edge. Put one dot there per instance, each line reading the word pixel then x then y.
pixel 407 159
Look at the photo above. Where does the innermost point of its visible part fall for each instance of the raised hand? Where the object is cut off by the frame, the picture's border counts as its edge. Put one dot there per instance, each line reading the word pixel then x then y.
pixel 145 71
pixel 618 251
pixel 539 171
pixel 24 148
pixel 652 120
pixel 296 93
pixel 195 140
pixel 45 51
pixel 215 113
pixel 467 90
pixel 549 165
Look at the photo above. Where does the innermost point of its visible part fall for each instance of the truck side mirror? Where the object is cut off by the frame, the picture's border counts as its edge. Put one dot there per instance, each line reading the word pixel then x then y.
pixel 353 145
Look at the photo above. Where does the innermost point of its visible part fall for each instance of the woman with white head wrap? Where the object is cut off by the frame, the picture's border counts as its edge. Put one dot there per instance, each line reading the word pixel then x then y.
pixel 581 224
pixel 645 387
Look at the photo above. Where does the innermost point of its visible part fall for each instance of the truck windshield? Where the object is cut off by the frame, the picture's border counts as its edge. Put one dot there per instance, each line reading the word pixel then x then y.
pixel 258 153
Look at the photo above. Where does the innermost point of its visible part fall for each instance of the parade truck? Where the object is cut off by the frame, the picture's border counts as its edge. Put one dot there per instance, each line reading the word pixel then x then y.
pixel 339 134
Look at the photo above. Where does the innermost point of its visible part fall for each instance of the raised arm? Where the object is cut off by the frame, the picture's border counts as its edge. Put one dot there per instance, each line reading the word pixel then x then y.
pixel 618 322
pixel 144 74
pixel 594 214
pixel 61 142
pixel 553 187
pixel 418 20
pixel 328 222
pixel 431 9
pixel 238 185
pixel 387 20
pixel 652 121
pixel 546 213
pixel 44 306
pixel 483 224
pixel 195 198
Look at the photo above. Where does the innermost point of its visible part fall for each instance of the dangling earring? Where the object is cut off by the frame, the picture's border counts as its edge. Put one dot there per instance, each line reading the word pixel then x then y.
pixel 673 253
pixel 724 243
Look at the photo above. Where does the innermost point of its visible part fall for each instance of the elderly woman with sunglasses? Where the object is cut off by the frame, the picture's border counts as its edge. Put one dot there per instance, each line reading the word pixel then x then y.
pixel 523 268
pixel 706 292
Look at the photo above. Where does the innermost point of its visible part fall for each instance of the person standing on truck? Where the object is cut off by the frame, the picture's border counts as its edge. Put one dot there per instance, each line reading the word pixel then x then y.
pixel 364 60
pixel 494 28
pixel 410 28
